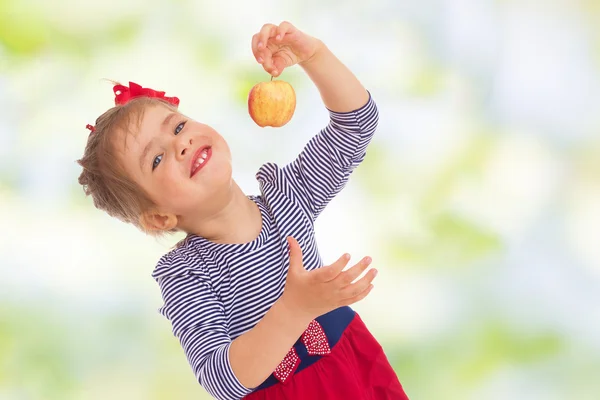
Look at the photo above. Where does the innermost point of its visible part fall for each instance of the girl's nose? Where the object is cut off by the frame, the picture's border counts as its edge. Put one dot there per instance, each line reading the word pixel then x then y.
pixel 183 146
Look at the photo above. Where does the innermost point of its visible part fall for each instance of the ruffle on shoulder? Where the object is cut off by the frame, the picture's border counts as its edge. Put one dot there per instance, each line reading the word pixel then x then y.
pixel 176 262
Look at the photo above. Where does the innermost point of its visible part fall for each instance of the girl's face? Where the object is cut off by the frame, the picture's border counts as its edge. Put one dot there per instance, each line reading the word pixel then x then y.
pixel 183 165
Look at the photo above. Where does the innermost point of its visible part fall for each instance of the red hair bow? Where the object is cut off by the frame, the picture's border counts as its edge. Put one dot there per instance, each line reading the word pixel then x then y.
pixel 123 94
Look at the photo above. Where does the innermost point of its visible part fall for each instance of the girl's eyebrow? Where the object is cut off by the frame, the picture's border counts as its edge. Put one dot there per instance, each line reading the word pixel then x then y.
pixel 165 123
pixel 167 120
pixel 145 153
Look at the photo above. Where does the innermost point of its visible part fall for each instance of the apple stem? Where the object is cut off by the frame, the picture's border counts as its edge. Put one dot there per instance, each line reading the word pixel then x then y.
pixel 271 78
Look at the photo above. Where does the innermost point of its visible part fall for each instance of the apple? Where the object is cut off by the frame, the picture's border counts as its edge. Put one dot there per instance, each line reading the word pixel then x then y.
pixel 272 103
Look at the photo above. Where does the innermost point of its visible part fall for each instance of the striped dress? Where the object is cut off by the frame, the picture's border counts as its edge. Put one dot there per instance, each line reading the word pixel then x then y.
pixel 214 293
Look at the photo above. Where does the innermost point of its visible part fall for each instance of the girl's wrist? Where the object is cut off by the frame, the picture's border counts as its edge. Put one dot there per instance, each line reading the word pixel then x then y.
pixel 289 308
pixel 319 48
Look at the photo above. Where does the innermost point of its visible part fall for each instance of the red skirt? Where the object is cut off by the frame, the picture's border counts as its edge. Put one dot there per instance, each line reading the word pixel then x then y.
pixel 356 369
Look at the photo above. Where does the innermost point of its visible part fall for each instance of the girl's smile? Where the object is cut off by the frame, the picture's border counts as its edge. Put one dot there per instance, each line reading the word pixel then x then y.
pixel 200 159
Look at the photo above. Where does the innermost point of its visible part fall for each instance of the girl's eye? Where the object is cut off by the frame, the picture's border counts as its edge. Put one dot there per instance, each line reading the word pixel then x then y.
pixel 179 127
pixel 156 161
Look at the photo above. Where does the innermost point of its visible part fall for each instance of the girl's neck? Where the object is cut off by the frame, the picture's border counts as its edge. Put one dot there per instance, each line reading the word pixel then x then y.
pixel 239 221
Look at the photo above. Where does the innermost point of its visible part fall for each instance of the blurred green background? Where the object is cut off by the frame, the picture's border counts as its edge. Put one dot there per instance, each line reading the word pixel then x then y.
pixel 479 199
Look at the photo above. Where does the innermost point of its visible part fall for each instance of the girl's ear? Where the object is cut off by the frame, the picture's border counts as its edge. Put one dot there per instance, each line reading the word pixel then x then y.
pixel 156 221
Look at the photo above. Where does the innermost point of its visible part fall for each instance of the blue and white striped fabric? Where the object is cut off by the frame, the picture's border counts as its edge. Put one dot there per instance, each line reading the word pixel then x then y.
pixel 214 293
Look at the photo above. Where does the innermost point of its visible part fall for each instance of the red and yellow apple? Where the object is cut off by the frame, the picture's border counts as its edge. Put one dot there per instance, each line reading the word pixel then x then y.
pixel 272 103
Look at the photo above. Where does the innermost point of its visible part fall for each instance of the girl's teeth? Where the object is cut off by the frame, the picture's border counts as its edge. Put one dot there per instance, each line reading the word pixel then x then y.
pixel 202 159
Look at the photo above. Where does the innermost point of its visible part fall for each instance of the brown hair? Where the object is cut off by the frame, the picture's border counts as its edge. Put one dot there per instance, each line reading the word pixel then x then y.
pixel 103 176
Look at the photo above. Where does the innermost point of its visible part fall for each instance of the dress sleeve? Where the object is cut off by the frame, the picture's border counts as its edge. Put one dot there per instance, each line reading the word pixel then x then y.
pixel 198 321
pixel 323 167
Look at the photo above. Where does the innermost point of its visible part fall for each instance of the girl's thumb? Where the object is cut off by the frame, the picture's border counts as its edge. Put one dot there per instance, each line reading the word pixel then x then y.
pixel 295 253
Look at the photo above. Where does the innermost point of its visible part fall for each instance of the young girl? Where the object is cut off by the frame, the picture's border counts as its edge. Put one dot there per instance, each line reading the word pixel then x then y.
pixel 256 312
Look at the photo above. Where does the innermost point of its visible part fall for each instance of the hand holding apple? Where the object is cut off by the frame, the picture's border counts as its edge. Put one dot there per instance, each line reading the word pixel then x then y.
pixel 278 47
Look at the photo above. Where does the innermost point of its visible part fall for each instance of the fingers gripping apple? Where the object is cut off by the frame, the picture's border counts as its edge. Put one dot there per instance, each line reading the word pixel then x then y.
pixel 272 103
